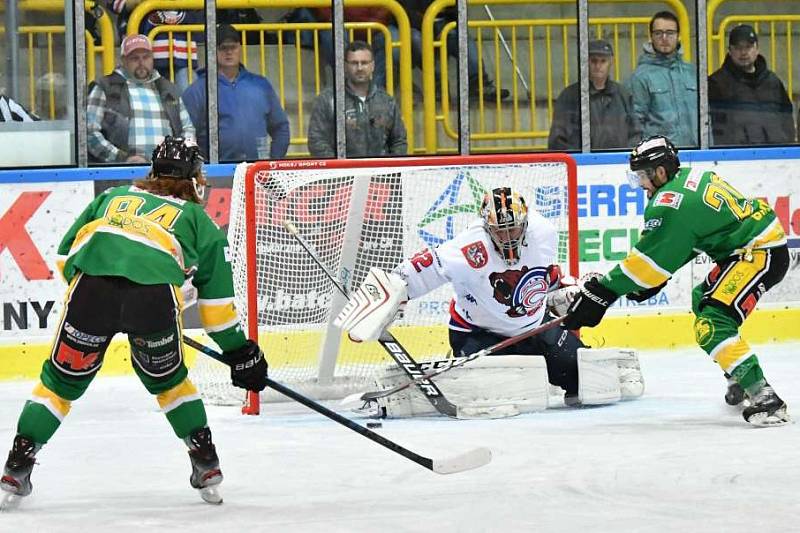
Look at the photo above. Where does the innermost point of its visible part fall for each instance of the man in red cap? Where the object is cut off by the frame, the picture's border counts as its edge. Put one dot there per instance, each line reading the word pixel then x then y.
pixel 130 111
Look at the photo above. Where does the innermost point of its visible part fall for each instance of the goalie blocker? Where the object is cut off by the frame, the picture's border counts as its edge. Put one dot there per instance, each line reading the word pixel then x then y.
pixel 514 384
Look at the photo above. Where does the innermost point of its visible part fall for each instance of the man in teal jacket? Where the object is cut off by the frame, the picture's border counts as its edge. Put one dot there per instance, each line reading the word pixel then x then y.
pixel 664 86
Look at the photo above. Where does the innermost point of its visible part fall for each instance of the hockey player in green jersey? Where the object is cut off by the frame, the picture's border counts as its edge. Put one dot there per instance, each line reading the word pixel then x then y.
pixel 691 212
pixel 126 257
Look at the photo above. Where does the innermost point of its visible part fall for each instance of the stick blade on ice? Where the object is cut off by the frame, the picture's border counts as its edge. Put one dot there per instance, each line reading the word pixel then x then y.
pixel 466 461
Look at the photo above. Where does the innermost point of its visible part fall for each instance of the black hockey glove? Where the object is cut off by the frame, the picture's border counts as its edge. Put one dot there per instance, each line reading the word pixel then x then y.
pixel 248 367
pixel 645 294
pixel 589 305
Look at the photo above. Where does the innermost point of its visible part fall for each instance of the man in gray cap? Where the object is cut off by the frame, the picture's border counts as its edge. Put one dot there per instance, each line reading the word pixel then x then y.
pixel 747 101
pixel 612 123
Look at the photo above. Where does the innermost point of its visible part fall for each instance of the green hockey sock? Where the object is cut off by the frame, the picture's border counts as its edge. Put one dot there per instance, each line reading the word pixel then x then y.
pixel 749 375
pixel 37 422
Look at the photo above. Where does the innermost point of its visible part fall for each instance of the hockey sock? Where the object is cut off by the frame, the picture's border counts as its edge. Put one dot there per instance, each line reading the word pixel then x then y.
pixel 184 408
pixel 749 375
pixel 42 414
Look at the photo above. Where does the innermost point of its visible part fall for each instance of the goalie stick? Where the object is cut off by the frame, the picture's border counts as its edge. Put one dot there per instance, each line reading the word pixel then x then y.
pixel 474 458
pixel 399 353
pixel 455 362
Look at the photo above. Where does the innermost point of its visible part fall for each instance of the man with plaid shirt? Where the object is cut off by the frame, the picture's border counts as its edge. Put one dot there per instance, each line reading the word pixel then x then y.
pixel 130 111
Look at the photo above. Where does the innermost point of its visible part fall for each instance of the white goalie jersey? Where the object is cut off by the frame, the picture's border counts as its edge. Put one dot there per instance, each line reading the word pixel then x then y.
pixel 490 294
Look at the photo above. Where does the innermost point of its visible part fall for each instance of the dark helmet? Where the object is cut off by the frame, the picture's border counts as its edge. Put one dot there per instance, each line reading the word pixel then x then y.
pixel 653 152
pixel 176 158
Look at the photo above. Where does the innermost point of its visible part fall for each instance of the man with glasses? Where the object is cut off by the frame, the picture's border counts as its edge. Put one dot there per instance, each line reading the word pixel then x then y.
pixel 250 113
pixel 373 124
pixel 747 101
pixel 664 87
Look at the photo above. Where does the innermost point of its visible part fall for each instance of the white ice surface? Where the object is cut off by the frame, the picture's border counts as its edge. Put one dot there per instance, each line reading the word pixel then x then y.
pixel 677 459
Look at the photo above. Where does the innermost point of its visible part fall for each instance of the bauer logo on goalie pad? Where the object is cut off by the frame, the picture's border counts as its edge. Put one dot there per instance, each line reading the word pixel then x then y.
pixel 475 254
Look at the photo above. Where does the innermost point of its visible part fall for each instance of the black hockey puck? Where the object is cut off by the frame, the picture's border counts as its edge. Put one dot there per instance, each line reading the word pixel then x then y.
pixel 374 425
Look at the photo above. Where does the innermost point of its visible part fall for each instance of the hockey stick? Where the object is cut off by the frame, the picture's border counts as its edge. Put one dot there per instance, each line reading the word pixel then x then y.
pixel 474 458
pixel 459 361
pixel 392 346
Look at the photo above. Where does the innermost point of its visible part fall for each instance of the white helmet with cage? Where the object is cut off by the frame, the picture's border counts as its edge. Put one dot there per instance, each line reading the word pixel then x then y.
pixel 505 219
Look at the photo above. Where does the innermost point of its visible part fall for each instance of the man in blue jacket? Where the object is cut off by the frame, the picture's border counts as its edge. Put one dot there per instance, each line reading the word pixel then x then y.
pixel 250 114
pixel 664 86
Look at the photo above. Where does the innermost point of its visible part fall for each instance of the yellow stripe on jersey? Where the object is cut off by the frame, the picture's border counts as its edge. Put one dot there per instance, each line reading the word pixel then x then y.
pixel 217 314
pixel 54 403
pixel 643 270
pixel 183 392
pixel 730 353
pixel 134 228
pixel 772 236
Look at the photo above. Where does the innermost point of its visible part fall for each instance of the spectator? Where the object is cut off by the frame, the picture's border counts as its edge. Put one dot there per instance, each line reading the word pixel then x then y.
pixel 747 101
pixel 380 15
pixel 11 111
pixel 248 108
pixel 664 87
pixel 611 110
pixel 130 111
pixel 416 11
pixel 182 47
pixel 373 125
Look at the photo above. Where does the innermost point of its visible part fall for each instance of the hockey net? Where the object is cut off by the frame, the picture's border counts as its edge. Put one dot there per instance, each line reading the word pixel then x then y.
pixel 357 214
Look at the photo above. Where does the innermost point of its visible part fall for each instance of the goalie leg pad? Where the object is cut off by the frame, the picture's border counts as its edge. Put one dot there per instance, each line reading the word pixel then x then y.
pixel 489 387
pixel 631 381
pixel 598 376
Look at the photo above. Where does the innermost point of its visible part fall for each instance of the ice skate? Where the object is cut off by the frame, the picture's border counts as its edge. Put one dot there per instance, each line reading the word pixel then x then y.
pixel 735 394
pixel 766 408
pixel 16 480
pixel 206 474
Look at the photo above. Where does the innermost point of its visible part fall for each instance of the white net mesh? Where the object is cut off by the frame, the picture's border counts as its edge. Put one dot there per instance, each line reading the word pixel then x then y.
pixel 355 218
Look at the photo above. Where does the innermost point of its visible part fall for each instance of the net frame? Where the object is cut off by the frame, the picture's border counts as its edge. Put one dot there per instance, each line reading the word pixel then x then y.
pixel 255 173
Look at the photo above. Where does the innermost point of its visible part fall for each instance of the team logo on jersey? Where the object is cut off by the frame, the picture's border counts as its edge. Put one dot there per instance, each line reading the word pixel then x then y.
pixel 523 291
pixel 703 331
pixel 652 224
pixel 668 199
pixel 693 179
pixel 475 254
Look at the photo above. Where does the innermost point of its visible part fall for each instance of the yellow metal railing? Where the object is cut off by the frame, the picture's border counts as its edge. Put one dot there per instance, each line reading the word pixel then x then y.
pixel 283 79
pixel 105 50
pixel 434 46
pixel 403 44
pixel 772 36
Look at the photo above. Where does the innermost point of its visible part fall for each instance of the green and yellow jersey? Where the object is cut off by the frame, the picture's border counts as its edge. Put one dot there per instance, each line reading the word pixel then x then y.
pixel 695 212
pixel 151 239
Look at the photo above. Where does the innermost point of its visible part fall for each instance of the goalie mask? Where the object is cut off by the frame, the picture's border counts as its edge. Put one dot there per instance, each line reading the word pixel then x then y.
pixel 178 158
pixel 505 219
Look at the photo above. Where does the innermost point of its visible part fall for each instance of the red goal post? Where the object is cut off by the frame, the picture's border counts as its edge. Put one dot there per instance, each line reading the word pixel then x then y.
pixel 357 214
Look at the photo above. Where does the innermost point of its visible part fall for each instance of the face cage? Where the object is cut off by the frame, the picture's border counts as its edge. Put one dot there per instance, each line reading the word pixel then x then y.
pixel 508 240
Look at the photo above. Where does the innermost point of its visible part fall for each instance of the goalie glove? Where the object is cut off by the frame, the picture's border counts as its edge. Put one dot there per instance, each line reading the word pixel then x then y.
pixel 371 308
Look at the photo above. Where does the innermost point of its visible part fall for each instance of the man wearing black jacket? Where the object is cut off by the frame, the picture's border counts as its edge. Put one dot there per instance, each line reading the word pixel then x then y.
pixel 747 101
pixel 612 123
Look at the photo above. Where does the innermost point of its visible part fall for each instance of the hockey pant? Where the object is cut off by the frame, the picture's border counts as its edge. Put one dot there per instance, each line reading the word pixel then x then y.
pixel 558 346
pixel 724 300
pixel 97 307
